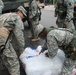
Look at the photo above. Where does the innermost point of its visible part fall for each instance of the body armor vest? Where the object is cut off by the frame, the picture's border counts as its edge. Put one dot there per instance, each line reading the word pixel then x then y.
pixel 4 32
pixel 62 10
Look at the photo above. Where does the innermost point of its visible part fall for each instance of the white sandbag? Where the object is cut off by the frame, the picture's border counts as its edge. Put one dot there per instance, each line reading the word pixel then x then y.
pixel 38 64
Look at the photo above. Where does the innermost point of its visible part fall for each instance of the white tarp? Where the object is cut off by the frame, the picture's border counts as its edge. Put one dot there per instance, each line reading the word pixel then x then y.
pixel 38 64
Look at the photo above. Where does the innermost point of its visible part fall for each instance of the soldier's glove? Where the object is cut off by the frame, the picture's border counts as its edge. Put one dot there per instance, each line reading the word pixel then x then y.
pixel 44 48
pixel 46 54
pixel 2 47
pixel 21 52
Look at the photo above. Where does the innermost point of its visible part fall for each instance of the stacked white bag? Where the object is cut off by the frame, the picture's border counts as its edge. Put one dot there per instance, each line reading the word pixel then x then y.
pixel 38 64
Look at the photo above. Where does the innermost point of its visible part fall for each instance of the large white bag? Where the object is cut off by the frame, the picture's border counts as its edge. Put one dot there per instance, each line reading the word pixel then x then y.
pixel 38 64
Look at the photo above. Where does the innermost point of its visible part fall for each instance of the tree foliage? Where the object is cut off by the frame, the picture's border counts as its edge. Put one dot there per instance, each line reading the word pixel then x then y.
pixel 53 1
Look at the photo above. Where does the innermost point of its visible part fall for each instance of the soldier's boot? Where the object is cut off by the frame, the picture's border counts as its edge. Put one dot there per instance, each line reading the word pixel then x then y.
pixel 35 39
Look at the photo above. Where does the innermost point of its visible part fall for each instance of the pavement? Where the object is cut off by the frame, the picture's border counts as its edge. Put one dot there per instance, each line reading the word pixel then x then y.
pixel 49 7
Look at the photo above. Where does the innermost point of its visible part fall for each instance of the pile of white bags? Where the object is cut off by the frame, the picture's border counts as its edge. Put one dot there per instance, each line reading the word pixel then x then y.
pixel 38 64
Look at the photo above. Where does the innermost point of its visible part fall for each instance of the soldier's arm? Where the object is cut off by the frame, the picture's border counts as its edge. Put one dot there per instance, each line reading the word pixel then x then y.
pixel 15 24
pixel 52 46
pixel 70 10
pixel 19 33
pixel 1 6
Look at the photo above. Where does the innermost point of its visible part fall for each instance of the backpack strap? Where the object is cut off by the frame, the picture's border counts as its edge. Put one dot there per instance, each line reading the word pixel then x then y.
pixel 2 47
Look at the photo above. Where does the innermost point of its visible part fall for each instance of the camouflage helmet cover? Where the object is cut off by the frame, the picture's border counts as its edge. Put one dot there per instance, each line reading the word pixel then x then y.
pixel 23 10
pixel 38 29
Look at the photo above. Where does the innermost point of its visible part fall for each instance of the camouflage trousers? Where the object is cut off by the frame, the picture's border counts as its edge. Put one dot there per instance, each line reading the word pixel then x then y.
pixel 61 24
pixel 34 23
pixel 69 67
pixel 9 58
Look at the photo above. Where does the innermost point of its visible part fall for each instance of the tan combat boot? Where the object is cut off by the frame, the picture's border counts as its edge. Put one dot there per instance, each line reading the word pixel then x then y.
pixel 30 37
pixel 35 39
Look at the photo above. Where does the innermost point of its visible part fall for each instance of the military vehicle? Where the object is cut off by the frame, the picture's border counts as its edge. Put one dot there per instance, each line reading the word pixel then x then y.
pixel 11 5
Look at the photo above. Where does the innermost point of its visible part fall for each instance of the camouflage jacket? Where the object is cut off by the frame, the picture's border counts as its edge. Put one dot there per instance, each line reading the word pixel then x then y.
pixel 13 22
pixel 62 37
pixel 1 6
pixel 69 11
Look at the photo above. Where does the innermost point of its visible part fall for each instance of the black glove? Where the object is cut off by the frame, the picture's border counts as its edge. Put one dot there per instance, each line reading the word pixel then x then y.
pixel 44 48
pixel 2 47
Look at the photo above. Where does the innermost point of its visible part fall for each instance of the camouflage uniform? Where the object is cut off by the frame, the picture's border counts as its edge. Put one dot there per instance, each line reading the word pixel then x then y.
pixel 74 20
pixel 62 38
pixel 10 60
pixel 33 15
pixel 59 38
pixel 1 6
pixel 64 19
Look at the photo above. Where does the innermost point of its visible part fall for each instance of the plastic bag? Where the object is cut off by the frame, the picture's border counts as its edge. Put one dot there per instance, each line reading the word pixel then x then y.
pixel 38 64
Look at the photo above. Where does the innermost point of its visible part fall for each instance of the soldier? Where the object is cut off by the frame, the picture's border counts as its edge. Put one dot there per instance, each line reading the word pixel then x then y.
pixel 47 2
pixel 64 12
pixel 1 6
pixel 74 20
pixel 34 19
pixel 12 23
pixel 64 39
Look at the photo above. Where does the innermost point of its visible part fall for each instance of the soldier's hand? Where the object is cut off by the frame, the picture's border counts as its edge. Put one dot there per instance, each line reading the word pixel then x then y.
pixel 64 26
pixel 21 52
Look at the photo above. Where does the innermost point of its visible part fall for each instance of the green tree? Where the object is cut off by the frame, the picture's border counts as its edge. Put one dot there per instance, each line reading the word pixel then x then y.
pixel 53 1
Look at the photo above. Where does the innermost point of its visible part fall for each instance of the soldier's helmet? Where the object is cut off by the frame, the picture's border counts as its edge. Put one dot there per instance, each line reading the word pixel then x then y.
pixel 23 10
pixel 39 29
